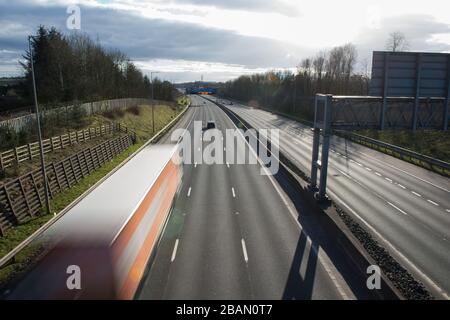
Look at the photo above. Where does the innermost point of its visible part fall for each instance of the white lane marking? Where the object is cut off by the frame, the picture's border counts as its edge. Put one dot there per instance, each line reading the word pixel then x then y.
pixel 432 202
pixel 448 210
pixel 378 174
pixel 195 165
pixel 392 247
pixel 174 253
pixel 198 149
pixel 394 206
pixel 359 164
pixel 401 186
pixel 236 213
pixel 234 194
pixel 228 165
pixel 368 169
pixel 224 149
pixel 244 250
pixel 416 194
pixel 322 256
pixel 401 170
pixel 387 179
pixel 189 192
pixel 338 153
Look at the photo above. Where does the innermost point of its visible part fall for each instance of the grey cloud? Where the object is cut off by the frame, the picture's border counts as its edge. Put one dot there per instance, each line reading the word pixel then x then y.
pixel 143 39
pixel 248 5
pixel 418 30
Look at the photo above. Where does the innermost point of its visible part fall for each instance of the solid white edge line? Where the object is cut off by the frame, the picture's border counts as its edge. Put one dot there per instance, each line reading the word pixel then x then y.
pixel 234 194
pixel 322 255
pixel 174 252
pixel 379 236
pixel 392 247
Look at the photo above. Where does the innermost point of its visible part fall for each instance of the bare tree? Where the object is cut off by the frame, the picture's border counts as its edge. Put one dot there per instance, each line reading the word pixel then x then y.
pixel 397 42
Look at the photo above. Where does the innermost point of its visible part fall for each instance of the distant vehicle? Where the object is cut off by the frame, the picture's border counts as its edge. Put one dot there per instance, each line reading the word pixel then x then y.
pixel 231 102
pixel 210 125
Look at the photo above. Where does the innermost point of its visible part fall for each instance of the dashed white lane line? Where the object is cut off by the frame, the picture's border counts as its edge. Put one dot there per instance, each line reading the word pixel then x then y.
pixel 195 165
pixel 378 174
pixel 394 206
pixel 244 250
pixel 368 169
pixel 432 202
pixel 401 186
pixel 448 210
pixel 234 194
pixel 416 194
pixel 189 192
pixel 228 165
pixel 174 252
pixel 387 179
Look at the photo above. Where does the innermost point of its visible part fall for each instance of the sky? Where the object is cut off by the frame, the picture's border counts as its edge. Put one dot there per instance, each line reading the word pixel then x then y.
pixel 221 39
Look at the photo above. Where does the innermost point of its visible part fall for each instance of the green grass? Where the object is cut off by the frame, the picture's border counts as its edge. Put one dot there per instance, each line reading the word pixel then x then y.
pixel 141 124
pixel 433 143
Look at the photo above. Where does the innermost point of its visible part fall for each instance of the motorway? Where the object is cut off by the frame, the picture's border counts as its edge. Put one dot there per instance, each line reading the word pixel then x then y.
pixel 407 208
pixel 234 234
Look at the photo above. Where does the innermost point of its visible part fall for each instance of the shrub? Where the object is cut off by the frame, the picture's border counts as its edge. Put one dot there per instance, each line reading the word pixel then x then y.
pixel 134 110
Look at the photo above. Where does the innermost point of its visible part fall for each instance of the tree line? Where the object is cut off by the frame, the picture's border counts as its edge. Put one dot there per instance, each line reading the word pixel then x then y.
pixel 76 68
pixel 331 72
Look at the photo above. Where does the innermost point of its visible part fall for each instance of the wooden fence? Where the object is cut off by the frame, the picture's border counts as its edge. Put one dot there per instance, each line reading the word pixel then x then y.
pixel 22 198
pixel 31 150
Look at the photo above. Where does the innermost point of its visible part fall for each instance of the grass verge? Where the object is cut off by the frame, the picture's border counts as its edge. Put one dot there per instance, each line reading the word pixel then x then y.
pixel 433 143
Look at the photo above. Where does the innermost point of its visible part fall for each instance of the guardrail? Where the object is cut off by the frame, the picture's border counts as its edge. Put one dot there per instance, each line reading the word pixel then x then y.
pixel 421 160
pixel 31 150
pixel 22 198
pixel 415 158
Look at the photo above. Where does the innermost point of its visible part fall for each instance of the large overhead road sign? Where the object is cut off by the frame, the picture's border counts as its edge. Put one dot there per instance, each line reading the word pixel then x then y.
pixel 411 74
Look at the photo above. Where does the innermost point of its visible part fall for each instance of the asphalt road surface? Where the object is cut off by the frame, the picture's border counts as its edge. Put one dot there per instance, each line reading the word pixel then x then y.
pixel 404 206
pixel 235 234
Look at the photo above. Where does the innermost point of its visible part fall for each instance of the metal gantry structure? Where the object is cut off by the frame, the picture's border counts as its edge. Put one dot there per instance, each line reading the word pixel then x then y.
pixel 321 128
